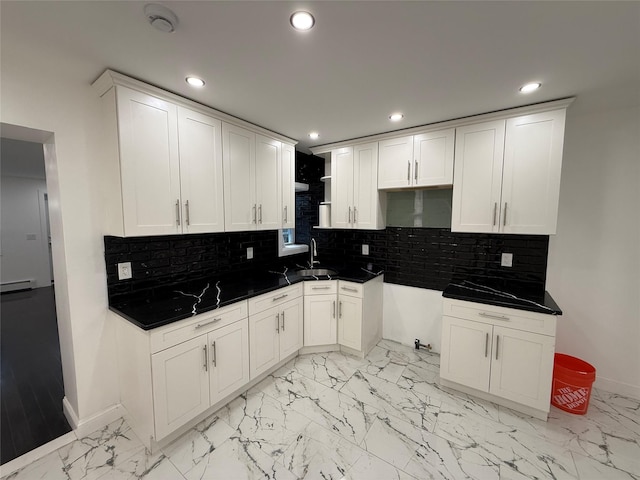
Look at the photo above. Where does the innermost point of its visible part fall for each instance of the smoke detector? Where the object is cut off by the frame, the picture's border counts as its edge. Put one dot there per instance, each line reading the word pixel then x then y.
pixel 160 17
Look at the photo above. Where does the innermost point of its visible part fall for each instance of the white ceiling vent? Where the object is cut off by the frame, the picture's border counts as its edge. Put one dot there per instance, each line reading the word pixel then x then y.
pixel 160 17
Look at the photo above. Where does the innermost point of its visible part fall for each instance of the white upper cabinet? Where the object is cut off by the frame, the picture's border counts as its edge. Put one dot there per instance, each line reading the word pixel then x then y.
pixel 149 164
pixel 288 210
pixel 200 141
pixel 507 175
pixel 356 202
pixel 423 160
pixel 531 173
pixel 268 183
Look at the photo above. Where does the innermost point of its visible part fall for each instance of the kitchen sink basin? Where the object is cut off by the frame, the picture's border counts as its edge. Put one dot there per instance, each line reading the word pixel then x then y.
pixel 315 272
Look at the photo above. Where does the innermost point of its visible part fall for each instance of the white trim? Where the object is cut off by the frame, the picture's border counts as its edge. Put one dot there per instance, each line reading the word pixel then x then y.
pixel 83 427
pixel 617 387
pixel 36 454
pixel 457 122
pixel 110 78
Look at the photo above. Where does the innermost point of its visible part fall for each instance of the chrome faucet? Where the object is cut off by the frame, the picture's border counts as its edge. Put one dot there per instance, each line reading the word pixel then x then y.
pixel 314 253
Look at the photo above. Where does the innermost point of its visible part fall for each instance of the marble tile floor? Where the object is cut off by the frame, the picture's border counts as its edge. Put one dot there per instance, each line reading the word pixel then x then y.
pixel 332 416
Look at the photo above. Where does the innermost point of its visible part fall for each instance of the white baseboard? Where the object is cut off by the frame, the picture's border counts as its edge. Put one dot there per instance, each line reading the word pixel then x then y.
pixel 36 454
pixel 619 388
pixel 85 426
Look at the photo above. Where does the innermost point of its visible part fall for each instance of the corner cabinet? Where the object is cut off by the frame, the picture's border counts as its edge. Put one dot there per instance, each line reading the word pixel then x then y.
pixel 507 174
pixel 355 200
pixel 320 312
pixel 423 160
pixel 500 354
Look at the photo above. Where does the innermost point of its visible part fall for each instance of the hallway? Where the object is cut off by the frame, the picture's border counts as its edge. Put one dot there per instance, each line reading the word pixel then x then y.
pixel 31 373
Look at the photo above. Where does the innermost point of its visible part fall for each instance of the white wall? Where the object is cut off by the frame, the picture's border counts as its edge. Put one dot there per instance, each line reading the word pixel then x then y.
pixel 25 251
pixel 50 91
pixel 594 260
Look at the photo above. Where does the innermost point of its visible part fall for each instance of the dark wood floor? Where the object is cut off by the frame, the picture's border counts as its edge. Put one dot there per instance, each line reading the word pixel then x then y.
pixel 31 388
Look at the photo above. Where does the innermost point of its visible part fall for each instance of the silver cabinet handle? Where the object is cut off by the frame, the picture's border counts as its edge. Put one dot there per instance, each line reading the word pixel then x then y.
pixel 349 214
pixel 206 367
pixel 320 288
pixel 178 212
pixel 495 212
pixel 504 220
pixel 215 360
pixel 280 297
pixel 215 320
pixel 260 214
pixel 408 172
pixel 340 309
pixel 286 218
pixel 278 323
pixel 349 289
pixel 283 321
pixel 334 309
pixel 188 216
pixel 254 213
pixel 497 345
pixel 354 215
pixel 495 317
pixel 415 171
pixel 486 345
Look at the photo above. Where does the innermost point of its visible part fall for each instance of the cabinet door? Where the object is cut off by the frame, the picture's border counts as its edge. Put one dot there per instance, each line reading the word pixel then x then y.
pixel 466 352
pixel 291 327
pixel 477 177
pixel 531 173
pixel 264 349
pixel 229 362
pixel 180 384
pixel 350 322
pixel 320 322
pixel 268 183
pixel 288 186
pixel 366 206
pixel 395 165
pixel 150 168
pixel 522 366
pixel 433 158
pixel 342 188
pixel 201 172
pixel 238 160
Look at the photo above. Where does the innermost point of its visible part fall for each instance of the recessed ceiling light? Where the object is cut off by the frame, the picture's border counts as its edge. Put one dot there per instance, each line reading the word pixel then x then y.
pixel 195 81
pixel 530 87
pixel 314 135
pixel 302 20
pixel 396 117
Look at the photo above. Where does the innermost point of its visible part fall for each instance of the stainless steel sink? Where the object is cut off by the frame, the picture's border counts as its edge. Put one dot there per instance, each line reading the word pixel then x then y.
pixel 315 272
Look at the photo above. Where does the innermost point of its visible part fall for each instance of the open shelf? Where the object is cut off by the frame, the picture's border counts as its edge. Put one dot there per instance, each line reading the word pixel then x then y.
pixel 325 178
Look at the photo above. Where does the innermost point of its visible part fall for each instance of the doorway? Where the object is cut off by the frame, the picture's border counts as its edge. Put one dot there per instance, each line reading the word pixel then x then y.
pixel 32 387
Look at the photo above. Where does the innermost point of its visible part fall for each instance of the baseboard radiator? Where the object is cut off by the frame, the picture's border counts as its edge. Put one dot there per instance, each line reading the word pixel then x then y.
pixel 17 285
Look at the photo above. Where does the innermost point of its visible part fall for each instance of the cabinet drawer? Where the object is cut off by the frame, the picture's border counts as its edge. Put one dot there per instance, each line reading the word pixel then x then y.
pixel 275 298
pixel 350 288
pixel 507 317
pixel 321 287
pixel 184 330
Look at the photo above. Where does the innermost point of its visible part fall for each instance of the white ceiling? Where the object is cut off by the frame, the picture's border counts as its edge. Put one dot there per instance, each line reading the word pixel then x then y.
pixel 433 61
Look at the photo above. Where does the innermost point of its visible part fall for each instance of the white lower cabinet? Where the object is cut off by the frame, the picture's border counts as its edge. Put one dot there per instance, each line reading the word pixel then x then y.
pixel 194 375
pixel 320 313
pixel 275 332
pixel 505 353
pixel 350 316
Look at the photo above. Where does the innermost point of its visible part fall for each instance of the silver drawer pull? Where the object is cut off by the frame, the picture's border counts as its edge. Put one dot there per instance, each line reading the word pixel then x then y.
pixel 215 360
pixel 206 369
pixel 334 309
pixel 497 345
pixel 495 317
pixel 486 345
pixel 321 288
pixel 280 297
pixel 349 289
pixel 278 323
pixel 215 320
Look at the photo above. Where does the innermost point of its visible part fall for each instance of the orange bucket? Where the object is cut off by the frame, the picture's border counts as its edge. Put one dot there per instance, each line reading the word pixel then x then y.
pixel 572 381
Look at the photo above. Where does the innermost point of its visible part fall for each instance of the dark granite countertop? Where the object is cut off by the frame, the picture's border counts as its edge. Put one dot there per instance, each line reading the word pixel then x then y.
pixel 540 302
pixel 167 304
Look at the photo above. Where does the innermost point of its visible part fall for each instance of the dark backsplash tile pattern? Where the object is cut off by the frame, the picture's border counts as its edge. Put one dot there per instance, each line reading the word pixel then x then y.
pixel 309 169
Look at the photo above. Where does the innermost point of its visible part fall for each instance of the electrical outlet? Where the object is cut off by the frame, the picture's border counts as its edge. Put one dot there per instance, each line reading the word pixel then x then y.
pixel 365 249
pixel 124 271
pixel 249 253
pixel 507 260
